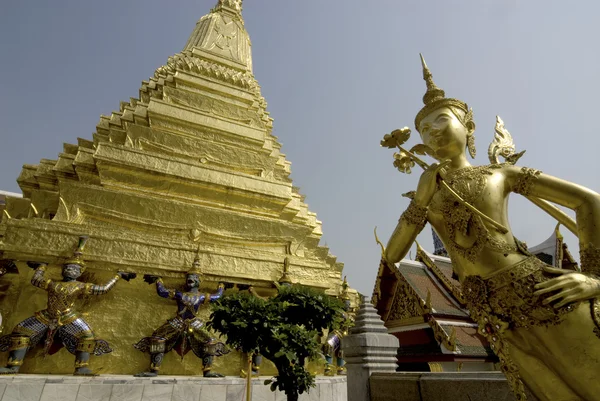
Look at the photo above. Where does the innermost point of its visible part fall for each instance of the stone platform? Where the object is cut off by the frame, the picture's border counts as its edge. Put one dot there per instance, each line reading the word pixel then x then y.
pixel 442 386
pixel 163 388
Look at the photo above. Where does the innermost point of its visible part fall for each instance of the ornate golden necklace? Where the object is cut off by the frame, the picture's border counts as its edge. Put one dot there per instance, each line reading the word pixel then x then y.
pixel 469 183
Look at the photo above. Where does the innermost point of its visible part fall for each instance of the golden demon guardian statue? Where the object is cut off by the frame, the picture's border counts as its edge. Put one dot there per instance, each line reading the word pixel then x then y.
pixel 543 323
pixel 186 330
pixel 59 320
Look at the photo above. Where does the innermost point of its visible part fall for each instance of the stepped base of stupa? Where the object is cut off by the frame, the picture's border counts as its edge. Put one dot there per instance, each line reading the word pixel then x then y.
pixel 162 388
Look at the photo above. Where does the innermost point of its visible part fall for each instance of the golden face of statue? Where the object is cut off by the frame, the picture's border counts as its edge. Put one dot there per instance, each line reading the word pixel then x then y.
pixel 443 132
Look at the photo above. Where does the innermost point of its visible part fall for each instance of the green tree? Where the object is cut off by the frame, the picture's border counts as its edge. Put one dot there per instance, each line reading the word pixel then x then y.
pixel 284 329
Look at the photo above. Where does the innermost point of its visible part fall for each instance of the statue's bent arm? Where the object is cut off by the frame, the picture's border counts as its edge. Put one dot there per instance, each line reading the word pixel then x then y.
pixel 164 292
pixel 218 294
pixel 583 201
pixel 38 278
pixel 95 289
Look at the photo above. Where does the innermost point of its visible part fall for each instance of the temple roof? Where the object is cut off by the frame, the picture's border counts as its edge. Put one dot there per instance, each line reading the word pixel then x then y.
pixel 426 285
pixel 555 252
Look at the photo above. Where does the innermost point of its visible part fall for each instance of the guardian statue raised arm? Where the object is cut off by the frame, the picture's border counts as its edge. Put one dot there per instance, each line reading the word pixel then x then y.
pixel 542 322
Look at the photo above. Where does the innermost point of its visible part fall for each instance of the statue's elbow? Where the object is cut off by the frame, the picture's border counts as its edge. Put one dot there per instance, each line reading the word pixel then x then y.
pixel 589 200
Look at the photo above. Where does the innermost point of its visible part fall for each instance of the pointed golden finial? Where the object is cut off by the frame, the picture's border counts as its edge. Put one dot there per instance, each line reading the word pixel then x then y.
pixel 557 231
pixel 428 306
pixel 420 250
pixel 379 243
pixel 433 92
pixel 344 294
pixel 285 279
pixel 452 339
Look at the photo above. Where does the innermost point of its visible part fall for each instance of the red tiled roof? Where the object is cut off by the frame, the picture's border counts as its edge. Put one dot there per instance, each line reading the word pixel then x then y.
pixel 446 268
pixel 468 341
pixel 420 281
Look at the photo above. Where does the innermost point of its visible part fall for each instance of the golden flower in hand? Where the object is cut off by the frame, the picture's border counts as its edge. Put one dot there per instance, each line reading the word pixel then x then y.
pixel 396 138
pixel 403 162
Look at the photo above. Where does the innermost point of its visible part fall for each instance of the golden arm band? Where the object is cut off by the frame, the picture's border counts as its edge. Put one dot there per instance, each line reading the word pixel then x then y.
pixel 526 179
pixel 415 214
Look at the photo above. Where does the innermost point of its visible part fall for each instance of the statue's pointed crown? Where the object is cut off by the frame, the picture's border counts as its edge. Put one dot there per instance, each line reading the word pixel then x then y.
pixel 435 97
pixel 77 258
pixel 196 264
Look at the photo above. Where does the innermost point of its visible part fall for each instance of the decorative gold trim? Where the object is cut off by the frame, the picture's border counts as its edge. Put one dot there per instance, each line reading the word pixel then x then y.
pixel 590 259
pixel 526 180
pixel 440 334
pixel 86 345
pixel 415 214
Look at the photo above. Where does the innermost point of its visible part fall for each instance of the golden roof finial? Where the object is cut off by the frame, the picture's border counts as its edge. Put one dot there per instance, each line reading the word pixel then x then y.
pixel 433 92
pixel 344 294
pixel 285 279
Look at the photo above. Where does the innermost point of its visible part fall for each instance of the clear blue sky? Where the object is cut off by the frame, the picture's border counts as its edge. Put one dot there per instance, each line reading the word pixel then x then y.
pixel 337 75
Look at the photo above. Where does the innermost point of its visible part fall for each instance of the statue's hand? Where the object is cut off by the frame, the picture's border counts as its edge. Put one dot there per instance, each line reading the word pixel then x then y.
pixel 150 279
pixel 35 265
pixel 428 183
pixel 127 275
pixel 567 287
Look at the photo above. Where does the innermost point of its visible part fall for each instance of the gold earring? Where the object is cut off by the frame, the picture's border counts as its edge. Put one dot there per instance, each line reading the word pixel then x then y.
pixel 471 146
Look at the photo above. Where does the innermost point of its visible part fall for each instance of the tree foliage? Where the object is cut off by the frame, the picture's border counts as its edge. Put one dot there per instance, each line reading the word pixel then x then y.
pixel 284 329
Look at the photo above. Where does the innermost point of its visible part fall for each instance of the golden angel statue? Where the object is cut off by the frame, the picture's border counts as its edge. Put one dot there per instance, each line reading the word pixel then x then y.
pixel 543 323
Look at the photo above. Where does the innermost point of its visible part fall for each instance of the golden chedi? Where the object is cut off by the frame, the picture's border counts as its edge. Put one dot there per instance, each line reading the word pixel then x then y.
pixel 542 322
pixel 189 163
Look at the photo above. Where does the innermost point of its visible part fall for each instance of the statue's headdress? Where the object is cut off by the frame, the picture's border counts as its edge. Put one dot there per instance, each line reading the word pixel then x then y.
pixel 435 97
pixel 196 264
pixel 77 258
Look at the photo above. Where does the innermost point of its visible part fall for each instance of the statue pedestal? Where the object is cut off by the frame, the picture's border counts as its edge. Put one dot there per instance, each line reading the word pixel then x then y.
pixel 162 388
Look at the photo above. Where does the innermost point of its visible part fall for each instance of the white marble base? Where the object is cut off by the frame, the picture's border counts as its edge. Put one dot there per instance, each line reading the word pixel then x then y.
pixel 162 388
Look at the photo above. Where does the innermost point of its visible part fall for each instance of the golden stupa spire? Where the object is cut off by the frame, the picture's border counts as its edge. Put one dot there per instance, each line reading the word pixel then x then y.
pixel 220 37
